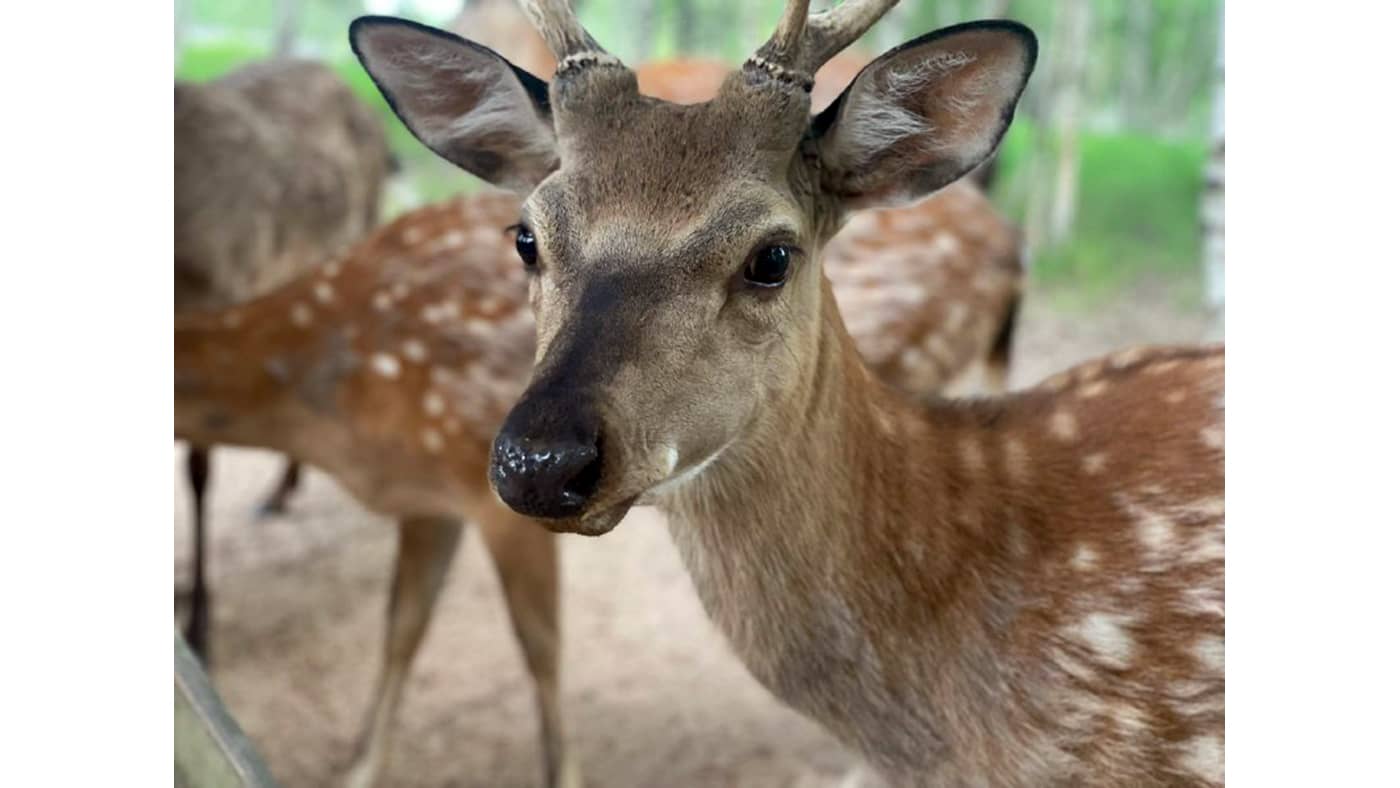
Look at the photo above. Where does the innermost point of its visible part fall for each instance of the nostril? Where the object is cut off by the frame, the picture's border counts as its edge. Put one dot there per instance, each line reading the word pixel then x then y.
pixel 584 482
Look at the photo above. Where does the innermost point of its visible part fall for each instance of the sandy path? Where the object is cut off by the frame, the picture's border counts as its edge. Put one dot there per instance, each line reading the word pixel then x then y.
pixel 652 695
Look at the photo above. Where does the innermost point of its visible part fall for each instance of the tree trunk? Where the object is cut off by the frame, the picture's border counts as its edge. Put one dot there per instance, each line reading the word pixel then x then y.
pixel 688 34
pixel 644 30
pixel 1053 185
pixel 288 25
pixel 892 31
pixel 1069 98
pixel 1137 59
pixel 1213 198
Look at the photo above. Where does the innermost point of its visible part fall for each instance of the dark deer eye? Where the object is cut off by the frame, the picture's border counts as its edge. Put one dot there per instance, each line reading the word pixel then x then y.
pixel 525 245
pixel 768 267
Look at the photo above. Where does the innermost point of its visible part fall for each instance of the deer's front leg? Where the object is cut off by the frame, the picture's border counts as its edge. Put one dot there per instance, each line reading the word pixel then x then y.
pixel 426 548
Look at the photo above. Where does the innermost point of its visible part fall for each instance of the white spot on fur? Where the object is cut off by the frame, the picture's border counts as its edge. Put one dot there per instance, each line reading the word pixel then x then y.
pixel 412 234
pixel 1210 652
pixel 323 292
pixel 331 269
pixel 451 239
pixel 1157 533
pixel 1018 459
pixel 399 290
pixel 1175 397
pixel 414 350
pixel 1085 558
pixel 432 441
pixel 672 457
pixel 1095 463
pixel 971 452
pixel 433 404
pixel 1064 426
pixel 302 315
pixel 957 316
pixel 1093 389
pixel 1106 634
pixel 1204 756
pixel 1127 358
pixel 1162 367
pixel 382 301
pixel 1213 437
pixel 384 364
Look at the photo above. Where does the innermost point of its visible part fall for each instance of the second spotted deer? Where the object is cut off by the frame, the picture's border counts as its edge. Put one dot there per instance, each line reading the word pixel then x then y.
pixel 390 368
pixel 1023 591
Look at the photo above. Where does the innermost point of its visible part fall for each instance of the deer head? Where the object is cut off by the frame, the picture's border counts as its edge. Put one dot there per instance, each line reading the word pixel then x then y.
pixel 673 250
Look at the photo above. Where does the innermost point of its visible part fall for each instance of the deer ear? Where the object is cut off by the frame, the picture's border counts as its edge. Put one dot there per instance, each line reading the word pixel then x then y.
pixel 923 114
pixel 465 102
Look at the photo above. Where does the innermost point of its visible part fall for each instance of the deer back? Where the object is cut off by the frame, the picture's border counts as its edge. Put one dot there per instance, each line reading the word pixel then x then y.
pixel 277 166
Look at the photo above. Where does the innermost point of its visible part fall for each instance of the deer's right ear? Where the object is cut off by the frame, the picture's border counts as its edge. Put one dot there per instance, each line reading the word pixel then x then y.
pixel 464 101
pixel 923 114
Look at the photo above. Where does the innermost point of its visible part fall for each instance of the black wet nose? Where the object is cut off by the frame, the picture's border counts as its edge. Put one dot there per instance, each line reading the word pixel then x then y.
pixel 540 474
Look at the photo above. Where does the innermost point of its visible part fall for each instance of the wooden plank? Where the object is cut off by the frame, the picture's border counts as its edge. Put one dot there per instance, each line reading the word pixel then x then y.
pixel 211 751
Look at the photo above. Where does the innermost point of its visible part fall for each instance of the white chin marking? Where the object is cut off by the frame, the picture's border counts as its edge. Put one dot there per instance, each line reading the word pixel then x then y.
pixel 674 483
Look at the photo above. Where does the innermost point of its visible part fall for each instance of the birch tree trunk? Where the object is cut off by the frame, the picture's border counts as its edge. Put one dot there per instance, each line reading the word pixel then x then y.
pixel 892 31
pixel 688 23
pixel 1137 59
pixel 1213 198
pixel 288 25
pixel 644 30
pixel 1053 186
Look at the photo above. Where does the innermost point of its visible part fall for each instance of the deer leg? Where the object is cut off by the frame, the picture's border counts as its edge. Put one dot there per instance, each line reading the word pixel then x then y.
pixel 197 627
pixel 276 501
pixel 528 566
pixel 997 367
pixel 426 548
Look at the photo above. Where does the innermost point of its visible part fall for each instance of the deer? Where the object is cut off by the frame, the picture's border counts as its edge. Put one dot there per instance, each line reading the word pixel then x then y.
pixel 278 165
pixel 390 367
pixel 1024 589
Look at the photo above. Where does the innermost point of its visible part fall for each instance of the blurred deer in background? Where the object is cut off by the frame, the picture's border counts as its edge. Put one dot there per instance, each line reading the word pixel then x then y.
pixel 277 167
pixel 390 369
pixel 929 290
pixel 1024 590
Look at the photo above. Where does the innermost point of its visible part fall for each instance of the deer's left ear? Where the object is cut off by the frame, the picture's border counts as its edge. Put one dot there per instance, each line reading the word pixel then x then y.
pixel 923 114
pixel 462 100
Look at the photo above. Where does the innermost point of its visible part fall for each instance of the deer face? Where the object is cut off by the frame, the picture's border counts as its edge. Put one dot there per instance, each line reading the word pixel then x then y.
pixel 673 250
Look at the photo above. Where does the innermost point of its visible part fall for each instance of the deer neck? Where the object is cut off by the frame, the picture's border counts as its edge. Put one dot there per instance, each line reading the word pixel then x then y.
pixel 827 544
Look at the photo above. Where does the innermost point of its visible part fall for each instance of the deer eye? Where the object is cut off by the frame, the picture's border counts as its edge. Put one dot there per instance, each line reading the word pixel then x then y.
pixel 768 267
pixel 525 245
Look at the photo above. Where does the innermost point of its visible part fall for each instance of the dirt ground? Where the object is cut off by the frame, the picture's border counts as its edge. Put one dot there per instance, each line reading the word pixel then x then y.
pixel 652 696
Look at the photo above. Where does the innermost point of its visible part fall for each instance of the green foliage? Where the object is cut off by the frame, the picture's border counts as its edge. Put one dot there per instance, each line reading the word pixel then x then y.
pixel 1139 209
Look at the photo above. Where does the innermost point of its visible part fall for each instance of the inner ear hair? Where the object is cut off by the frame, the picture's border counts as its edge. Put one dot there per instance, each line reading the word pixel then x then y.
pixel 924 113
pixel 462 100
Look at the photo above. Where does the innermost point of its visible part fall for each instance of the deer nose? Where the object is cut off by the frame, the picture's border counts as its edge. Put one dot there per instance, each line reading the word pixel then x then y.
pixel 546 473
